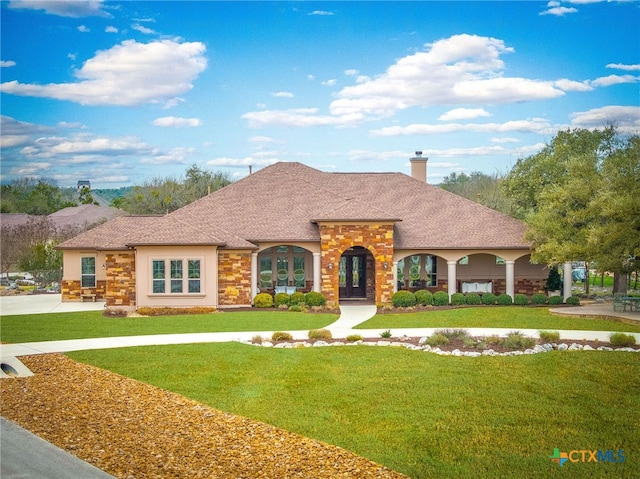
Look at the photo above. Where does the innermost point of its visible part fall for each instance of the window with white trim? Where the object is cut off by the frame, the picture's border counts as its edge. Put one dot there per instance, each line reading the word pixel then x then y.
pixel 88 271
pixel 169 276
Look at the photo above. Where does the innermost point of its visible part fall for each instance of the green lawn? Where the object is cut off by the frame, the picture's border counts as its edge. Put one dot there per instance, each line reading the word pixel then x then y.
pixel 92 324
pixel 515 317
pixel 421 414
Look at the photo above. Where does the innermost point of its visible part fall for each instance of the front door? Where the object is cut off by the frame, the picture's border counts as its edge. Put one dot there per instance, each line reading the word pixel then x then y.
pixel 353 273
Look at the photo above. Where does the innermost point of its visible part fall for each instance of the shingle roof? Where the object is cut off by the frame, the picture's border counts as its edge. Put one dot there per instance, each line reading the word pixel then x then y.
pixel 283 202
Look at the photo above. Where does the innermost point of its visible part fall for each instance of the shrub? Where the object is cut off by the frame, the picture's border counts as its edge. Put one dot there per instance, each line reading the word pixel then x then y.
pixel 424 297
pixel 437 339
pixel 440 298
pixel 403 299
pixel 554 282
pixel 314 298
pixel 352 338
pixel 320 334
pixel 573 300
pixel 296 308
pixel 296 298
pixel 169 311
pixel 263 300
pixel 385 334
pixel 517 340
pixel 457 299
pixel 504 300
pixel 473 299
pixel 454 333
pixel 555 300
pixel 281 298
pixel 257 339
pixel 538 298
pixel 622 339
pixel 281 336
pixel 521 300
pixel 489 298
pixel 550 336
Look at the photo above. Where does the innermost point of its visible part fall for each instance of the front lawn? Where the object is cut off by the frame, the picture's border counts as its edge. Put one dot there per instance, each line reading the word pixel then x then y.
pixel 513 317
pixel 92 324
pixel 421 414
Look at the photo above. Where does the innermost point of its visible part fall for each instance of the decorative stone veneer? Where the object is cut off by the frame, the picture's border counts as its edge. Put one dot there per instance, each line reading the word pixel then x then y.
pixel 72 291
pixel 377 238
pixel 121 280
pixel 234 278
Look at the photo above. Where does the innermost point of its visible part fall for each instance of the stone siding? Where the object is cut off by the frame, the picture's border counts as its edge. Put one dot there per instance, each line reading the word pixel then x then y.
pixel 121 280
pixel 376 238
pixel 234 278
pixel 72 291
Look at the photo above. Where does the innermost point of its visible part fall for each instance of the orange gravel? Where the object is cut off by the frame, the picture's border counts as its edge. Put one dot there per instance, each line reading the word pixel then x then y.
pixel 133 430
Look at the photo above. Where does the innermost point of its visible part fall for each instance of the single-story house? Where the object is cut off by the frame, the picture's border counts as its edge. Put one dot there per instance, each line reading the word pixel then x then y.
pixel 350 236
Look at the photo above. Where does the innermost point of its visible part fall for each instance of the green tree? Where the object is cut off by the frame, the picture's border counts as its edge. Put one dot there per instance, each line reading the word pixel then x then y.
pixel 580 198
pixel 479 187
pixel 35 197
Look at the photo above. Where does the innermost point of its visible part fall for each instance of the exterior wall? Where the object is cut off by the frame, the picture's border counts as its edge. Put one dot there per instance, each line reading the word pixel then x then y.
pixel 121 280
pixel 72 273
pixel 208 296
pixel 338 237
pixel 234 278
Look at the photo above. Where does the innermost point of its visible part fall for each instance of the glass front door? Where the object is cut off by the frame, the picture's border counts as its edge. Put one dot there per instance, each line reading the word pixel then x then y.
pixel 352 275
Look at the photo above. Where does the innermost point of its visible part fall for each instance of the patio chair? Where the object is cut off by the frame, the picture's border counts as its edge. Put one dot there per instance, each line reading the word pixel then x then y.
pixel 618 302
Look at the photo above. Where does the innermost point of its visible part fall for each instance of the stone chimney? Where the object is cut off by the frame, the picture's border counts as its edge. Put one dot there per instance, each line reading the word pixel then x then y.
pixel 419 167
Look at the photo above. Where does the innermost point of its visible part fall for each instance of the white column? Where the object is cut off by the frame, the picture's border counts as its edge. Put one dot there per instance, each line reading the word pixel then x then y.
pixel 567 276
pixel 451 277
pixel 510 277
pixel 254 275
pixel 317 281
pixel 395 276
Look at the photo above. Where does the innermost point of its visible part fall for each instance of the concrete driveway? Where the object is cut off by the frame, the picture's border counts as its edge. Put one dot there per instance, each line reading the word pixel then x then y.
pixel 43 303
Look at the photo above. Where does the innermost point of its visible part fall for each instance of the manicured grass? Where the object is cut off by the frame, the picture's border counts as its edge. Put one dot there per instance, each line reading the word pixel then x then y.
pixel 418 413
pixel 494 317
pixel 92 324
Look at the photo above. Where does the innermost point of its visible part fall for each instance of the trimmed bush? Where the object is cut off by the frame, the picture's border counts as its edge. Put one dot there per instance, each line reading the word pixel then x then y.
pixel 539 298
pixel 263 300
pixel 352 338
pixel 555 300
pixel 457 299
pixel 403 299
pixel 573 300
pixel 521 300
pixel 313 298
pixel 622 339
pixel 424 297
pixel 473 299
pixel 296 298
pixel 505 300
pixel 320 334
pixel 489 298
pixel 517 340
pixel 440 298
pixel 281 336
pixel 550 336
pixel 282 298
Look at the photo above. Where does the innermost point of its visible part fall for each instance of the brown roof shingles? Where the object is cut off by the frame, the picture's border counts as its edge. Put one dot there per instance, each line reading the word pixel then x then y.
pixel 280 203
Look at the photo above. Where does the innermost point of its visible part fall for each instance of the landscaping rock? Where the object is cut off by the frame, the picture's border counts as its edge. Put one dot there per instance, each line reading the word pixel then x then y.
pixel 562 347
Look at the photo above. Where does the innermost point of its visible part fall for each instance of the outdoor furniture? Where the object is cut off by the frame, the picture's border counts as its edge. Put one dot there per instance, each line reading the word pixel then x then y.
pixel 477 287
pixel 621 302
pixel 289 290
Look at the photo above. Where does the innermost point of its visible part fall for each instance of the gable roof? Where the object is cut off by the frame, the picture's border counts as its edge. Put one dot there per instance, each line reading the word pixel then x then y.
pixel 285 201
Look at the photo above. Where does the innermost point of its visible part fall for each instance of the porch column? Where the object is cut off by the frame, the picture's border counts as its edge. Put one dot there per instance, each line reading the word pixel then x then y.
pixel 254 275
pixel 567 276
pixel 317 281
pixel 451 277
pixel 395 276
pixel 510 277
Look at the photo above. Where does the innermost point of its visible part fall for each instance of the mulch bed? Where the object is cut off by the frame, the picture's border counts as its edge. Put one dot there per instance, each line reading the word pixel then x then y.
pixel 133 430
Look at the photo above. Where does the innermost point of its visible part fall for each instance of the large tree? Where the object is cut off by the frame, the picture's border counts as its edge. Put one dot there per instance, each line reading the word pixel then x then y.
pixel 479 187
pixel 580 198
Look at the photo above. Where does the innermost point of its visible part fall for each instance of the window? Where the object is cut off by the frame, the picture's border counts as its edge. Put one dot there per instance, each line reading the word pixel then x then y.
pixel 500 261
pixel 283 266
pixel 417 271
pixel 178 281
pixel 88 273
pixel 464 261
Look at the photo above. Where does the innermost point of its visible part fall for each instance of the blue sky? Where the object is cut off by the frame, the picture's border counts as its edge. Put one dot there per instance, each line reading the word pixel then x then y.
pixel 123 92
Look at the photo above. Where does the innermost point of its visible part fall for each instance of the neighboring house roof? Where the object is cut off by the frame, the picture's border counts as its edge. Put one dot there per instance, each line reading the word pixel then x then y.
pixel 84 215
pixel 15 219
pixel 285 201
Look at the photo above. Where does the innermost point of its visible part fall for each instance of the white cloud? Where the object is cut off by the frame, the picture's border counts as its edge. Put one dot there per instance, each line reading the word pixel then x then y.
pixel 536 125
pixel 241 162
pixel 571 85
pixel 84 29
pixel 331 82
pixel 143 29
pixel 111 29
pixel 66 8
pixel 7 63
pixel 176 156
pixel 321 13
pixel 282 94
pixel 128 74
pixel 297 117
pixel 615 80
pixel 460 69
pixel 555 8
pixel 622 66
pixel 261 139
pixel 464 114
pixel 505 140
pixel 351 72
pixel 176 122
pixel 625 118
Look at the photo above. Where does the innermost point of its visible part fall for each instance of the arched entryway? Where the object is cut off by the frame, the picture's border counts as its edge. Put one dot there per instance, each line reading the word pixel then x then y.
pixel 356 275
